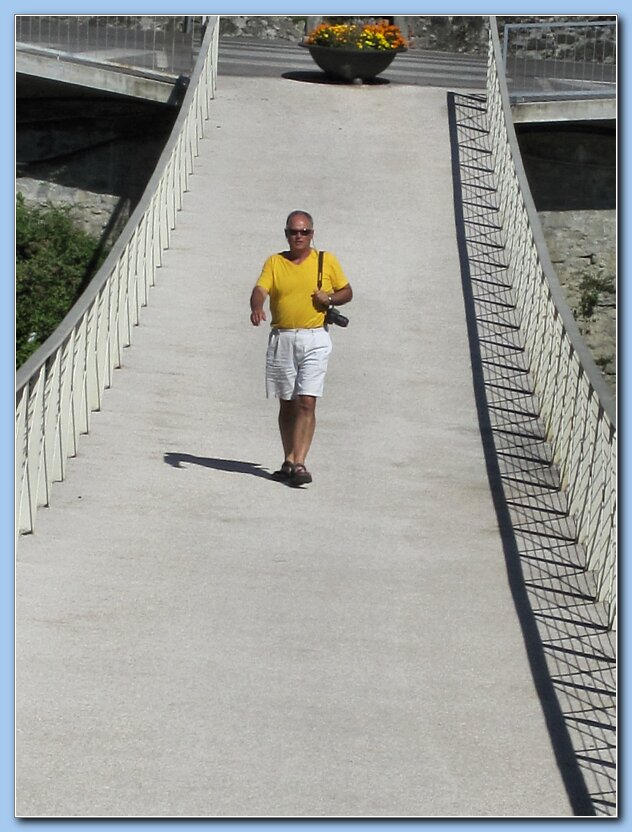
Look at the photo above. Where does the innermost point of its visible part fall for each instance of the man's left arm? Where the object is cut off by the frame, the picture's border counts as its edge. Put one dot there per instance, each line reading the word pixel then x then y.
pixel 341 291
pixel 340 296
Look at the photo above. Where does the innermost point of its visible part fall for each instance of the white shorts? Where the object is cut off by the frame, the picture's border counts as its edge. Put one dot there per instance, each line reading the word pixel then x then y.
pixel 296 362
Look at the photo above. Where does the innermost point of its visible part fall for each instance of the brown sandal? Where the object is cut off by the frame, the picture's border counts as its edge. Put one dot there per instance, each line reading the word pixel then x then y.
pixel 284 473
pixel 300 475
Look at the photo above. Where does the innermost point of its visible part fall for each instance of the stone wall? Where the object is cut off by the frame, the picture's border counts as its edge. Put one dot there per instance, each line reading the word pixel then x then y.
pixel 582 246
pixel 101 215
pixel 561 43
pixel 572 173
pixel 265 27
pixel 454 33
pixel 460 33
pixel 447 33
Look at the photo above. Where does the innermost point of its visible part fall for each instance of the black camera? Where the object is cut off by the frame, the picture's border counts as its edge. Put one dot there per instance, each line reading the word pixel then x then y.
pixel 334 317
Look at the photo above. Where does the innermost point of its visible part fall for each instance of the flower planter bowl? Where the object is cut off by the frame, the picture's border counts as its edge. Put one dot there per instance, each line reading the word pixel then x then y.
pixel 351 64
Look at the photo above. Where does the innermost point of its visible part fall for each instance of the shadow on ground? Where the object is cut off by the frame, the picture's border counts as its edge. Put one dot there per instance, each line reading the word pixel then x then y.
pixel 572 651
pixel 318 77
pixel 234 466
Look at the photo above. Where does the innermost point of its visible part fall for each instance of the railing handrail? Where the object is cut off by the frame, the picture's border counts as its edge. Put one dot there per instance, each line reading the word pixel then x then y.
pixel 571 24
pixel 71 57
pixel 57 338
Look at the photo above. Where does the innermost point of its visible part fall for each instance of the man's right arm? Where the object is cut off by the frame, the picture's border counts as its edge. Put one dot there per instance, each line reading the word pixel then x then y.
pixel 257 299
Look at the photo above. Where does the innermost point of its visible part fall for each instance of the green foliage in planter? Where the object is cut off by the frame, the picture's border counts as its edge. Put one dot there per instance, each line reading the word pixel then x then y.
pixel 54 263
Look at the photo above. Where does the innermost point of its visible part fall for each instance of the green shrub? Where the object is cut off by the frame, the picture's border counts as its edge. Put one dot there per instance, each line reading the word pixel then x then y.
pixel 588 301
pixel 54 263
pixel 591 288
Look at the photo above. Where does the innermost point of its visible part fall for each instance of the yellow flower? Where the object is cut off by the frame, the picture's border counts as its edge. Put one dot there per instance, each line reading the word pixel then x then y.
pixel 379 35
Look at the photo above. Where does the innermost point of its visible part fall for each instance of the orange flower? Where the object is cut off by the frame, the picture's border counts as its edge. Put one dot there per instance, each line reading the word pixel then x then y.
pixel 379 35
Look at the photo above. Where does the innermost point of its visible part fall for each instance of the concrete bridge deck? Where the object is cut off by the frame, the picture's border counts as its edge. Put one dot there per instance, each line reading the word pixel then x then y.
pixel 198 640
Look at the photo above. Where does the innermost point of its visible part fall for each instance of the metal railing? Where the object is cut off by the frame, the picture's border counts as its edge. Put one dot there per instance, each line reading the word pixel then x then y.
pixel 575 59
pixel 63 382
pixel 167 43
pixel 578 411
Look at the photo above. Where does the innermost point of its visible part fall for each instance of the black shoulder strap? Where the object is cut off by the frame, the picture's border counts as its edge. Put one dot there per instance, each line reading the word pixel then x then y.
pixel 320 269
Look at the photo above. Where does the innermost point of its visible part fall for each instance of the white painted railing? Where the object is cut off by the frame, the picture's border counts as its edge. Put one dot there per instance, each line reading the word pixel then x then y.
pixel 165 43
pixel 578 411
pixel 555 60
pixel 63 382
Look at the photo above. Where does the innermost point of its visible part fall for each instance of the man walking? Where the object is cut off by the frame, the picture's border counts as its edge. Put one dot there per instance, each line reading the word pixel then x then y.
pixel 299 344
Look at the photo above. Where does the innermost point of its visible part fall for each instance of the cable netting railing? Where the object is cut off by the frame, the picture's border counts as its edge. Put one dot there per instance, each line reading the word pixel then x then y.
pixel 576 406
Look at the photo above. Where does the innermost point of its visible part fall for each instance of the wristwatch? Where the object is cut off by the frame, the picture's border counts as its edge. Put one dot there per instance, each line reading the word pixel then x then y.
pixel 331 303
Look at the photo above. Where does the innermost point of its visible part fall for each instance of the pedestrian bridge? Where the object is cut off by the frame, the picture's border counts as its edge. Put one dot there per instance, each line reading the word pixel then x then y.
pixel 428 630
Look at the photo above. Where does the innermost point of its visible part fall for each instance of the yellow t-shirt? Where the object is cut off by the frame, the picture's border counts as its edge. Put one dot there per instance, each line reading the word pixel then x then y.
pixel 291 286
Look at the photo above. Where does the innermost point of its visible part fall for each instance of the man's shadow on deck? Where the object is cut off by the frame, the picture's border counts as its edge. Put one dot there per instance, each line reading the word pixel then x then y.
pixel 233 466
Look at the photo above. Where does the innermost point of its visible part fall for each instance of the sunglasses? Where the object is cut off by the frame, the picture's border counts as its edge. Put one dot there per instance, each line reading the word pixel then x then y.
pixel 303 232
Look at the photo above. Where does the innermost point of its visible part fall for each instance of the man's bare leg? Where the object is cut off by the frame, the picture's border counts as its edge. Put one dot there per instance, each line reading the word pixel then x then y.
pixel 297 423
pixel 286 427
pixel 304 427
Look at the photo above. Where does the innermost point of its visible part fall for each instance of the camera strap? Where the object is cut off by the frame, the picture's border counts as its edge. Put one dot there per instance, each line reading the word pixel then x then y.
pixel 319 283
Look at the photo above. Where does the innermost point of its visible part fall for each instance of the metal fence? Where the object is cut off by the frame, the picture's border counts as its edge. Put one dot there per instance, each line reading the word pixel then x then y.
pixel 63 382
pixel 575 59
pixel 578 411
pixel 167 43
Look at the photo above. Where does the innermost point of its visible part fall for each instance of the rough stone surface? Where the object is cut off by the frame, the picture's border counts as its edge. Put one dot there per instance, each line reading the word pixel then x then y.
pixel 563 43
pixel 262 26
pixel 582 248
pixel 91 212
pixel 450 33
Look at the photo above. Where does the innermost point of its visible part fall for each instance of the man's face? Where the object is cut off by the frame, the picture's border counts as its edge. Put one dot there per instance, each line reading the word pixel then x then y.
pixel 299 234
